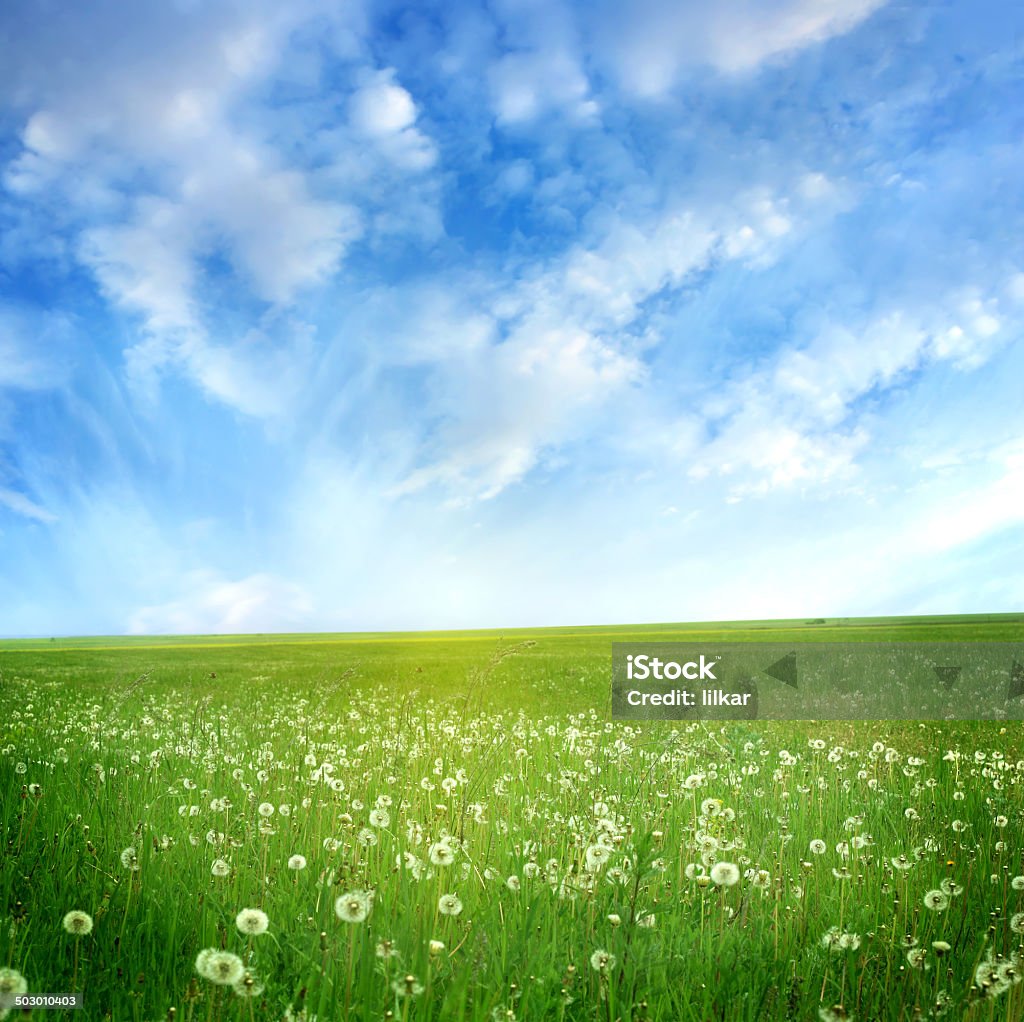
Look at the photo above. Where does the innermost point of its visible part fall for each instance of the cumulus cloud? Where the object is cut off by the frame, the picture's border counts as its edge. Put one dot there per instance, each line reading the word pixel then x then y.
pixel 385 114
pixel 527 85
pixel 574 339
pixel 794 419
pixel 211 186
pixel 411 298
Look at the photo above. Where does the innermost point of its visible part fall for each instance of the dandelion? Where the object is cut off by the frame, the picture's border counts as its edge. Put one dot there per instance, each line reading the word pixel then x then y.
pixel 220 867
pixel 220 967
pixel 248 986
pixel 436 947
pixel 837 940
pixel 936 901
pixel 602 962
pixel 297 862
pixel 130 860
pixel 266 810
pixel 725 874
pixel 12 983
pixel 354 907
pixel 818 847
pixel 251 922
pixel 985 977
pixel 449 905
pixel 941 947
pixel 916 957
pixel 1017 883
pixel 407 986
pixel 77 923
pixel 380 818
pixel 1017 922
pixel 615 919
pixel 441 854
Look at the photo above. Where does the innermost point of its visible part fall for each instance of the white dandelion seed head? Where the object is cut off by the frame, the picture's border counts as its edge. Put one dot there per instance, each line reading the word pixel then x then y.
pixel 354 906
pixel 407 986
pixel 77 923
pixel 12 982
pixel 220 967
pixel 252 922
pixel 725 874
pixel 916 957
pixel 248 986
pixel 449 905
pixel 441 854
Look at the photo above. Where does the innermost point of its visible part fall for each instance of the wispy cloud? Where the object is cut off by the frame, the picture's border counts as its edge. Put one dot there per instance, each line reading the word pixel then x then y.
pixel 335 318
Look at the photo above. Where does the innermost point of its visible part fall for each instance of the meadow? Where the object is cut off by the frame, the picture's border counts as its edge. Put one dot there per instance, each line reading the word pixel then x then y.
pixel 450 826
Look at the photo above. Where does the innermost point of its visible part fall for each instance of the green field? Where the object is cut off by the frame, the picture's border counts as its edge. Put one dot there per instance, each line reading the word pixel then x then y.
pixel 164 785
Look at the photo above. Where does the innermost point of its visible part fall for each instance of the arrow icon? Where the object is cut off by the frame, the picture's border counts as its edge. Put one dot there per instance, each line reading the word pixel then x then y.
pixel 948 674
pixel 784 670
pixel 1016 680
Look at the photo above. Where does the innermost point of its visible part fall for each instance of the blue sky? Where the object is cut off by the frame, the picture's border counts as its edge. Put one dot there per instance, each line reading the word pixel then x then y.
pixel 345 316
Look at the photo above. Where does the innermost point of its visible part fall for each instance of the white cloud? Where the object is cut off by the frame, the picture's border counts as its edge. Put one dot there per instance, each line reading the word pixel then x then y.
pixel 382 107
pixel 385 113
pixel 33 354
pixel 22 505
pixel 513 401
pixel 651 44
pixel 792 420
pixel 256 603
pixel 165 174
pixel 573 337
pixel 984 508
pixel 147 266
pixel 527 85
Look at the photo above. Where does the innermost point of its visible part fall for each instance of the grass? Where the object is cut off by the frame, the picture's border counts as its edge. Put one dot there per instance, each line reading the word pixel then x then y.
pixel 583 851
